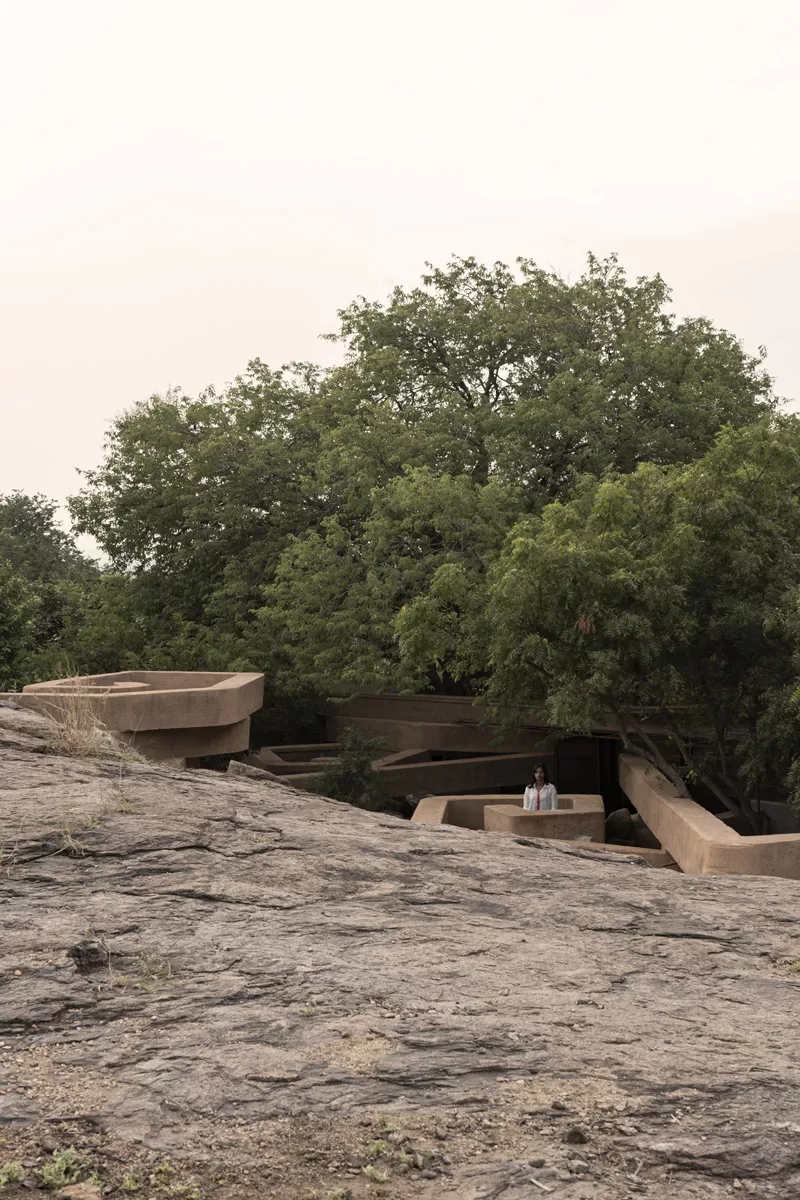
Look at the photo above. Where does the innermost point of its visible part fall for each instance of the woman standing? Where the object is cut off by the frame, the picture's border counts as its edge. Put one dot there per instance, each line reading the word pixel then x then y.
pixel 540 795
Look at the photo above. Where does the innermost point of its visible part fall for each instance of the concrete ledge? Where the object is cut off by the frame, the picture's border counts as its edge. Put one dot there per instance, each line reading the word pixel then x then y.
pixel 402 734
pixel 576 816
pixel 448 775
pixel 699 842
pixel 164 714
pixel 138 700
pixel 161 744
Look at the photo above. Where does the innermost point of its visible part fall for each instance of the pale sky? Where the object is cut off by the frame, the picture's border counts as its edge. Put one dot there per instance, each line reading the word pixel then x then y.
pixel 187 185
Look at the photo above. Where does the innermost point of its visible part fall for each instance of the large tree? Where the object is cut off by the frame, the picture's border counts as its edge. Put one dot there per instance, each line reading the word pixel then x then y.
pixel 339 526
pixel 463 405
pixel 44 570
pixel 667 597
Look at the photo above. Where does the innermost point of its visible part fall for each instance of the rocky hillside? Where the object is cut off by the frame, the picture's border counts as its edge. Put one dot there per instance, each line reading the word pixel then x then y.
pixel 216 987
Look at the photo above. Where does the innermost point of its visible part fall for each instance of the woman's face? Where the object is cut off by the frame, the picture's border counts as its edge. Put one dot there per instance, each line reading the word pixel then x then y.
pixel 539 775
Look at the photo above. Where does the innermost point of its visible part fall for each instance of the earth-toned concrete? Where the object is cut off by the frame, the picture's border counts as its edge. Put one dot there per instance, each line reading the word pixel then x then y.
pixel 238 991
pixel 402 778
pixel 163 714
pixel 699 842
pixel 576 816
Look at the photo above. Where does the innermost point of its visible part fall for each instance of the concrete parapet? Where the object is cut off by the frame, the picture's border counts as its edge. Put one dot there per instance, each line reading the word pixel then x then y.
pixel 137 700
pixel 164 714
pixel 161 744
pixel 699 842
pixel 448 775
pixel 403 734
pixel 576 816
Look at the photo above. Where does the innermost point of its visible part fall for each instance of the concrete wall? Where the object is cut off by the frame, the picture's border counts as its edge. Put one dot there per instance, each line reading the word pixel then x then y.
pixel 161 744
pixel 165 699
pixel 576 816
pixel 699 842
pixel 458 710
pixel 163 714
pixel 403 734
pixel 450 775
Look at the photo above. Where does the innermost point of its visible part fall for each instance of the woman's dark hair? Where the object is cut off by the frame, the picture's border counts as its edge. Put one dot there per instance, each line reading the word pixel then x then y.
pixel 535 769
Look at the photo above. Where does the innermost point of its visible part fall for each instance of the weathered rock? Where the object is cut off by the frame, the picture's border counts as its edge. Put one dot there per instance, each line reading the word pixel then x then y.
pixel 280 968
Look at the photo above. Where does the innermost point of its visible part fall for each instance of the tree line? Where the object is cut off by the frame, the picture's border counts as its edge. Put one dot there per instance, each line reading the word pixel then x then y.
pixel 555 495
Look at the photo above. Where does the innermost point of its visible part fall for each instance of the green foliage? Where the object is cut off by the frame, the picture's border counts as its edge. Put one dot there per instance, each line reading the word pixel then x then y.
pixel 465 405
pixel 668 591
pixel 18 609
pixel 50 576
pixel 32 541
pixel 11 1172
pixel 352 778
pixel 552 490
pixel 66 1167
pixel 337 528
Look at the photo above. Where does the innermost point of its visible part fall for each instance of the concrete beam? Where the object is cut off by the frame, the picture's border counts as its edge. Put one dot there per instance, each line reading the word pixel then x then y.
pixel 142 700
pixel 699 842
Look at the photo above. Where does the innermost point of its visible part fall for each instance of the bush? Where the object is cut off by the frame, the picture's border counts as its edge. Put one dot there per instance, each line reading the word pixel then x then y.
pixel 352 777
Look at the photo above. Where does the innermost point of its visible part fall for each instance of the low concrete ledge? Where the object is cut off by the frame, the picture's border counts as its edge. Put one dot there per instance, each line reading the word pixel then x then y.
pixel 699 842
pixel 576 816
pixel 163 714
pixel 140 700
pixel 405 777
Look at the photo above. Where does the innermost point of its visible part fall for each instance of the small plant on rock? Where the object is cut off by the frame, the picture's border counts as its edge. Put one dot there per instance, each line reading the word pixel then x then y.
pixel 375 1175
pixel 65 1168
pixel 11 1172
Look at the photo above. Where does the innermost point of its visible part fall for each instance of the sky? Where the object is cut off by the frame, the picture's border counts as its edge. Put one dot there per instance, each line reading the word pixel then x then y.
pixel 187 185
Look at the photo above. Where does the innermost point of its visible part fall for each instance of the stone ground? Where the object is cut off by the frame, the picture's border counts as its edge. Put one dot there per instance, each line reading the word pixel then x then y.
pixel 216 988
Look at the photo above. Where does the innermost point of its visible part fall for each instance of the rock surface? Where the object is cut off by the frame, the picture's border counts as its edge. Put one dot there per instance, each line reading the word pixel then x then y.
pixel 224 987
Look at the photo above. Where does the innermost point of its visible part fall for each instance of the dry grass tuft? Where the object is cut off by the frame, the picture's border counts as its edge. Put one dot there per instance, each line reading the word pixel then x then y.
pixel 80 729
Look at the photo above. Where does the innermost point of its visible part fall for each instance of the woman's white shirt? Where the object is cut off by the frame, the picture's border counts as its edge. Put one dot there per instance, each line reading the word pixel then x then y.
pixel 547 797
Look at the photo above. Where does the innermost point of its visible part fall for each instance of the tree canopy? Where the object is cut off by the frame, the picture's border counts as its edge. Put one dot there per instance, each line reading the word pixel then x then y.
pixel 511 484
pixel 667 596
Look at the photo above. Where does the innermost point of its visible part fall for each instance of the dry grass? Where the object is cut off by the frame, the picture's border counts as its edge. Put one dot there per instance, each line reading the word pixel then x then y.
pixel 80 729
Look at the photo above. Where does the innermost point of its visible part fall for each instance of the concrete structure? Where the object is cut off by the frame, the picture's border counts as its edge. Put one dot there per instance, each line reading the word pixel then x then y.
pixel 294 760
pixel 576 816
pixel 363 711
pixel 456 725
pixel 163 714
pixel 701 843
pixel 413 771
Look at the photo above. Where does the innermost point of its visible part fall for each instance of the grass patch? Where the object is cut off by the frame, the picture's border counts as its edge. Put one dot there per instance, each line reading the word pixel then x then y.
pixel 80 731
pixel 65 1168
pixel 10 1173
